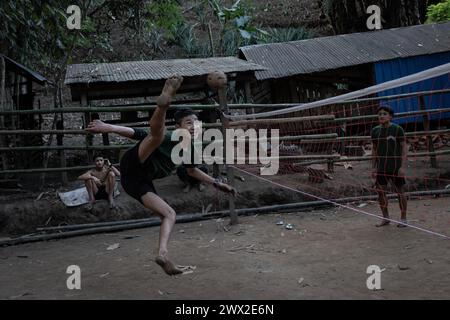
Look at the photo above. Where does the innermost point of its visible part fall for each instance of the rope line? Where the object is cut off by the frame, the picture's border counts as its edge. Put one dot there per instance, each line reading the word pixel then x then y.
pixel 344 206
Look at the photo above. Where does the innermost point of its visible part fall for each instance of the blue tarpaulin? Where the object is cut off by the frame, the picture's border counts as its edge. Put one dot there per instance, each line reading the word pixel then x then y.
pixel 397 68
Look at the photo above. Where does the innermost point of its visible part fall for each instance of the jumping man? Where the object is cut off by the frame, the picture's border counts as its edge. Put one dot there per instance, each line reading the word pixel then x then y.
pixel 150 159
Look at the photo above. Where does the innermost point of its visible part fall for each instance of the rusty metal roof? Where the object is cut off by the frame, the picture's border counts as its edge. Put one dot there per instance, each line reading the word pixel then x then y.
pixel 327 53
pixel 10 64
pixel 153 70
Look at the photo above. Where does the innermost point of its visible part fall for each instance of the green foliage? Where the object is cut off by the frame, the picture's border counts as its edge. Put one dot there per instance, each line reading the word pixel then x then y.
pixel 285 34
pixel 152 37
pixel 166 14
pixel 184 36
pixel 37 35
pixel 201 13
pixel 328 6
pixel 236 19
pixel 439 12
pixel 232 40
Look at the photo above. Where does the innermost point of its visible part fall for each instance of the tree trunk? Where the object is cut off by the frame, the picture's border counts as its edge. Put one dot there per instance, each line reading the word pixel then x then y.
pixel 348 16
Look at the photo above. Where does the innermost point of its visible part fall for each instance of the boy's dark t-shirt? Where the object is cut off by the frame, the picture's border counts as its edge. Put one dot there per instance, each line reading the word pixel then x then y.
pixel 388 142
pixel 159 164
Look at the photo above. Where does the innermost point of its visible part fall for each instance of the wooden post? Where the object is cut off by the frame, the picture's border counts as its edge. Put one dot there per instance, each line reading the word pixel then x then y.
pixel 230 171
pixel 248 96
pixel 3 158
pixel 87 119
pixel 426 127
pixel 62 153
pixel 105 138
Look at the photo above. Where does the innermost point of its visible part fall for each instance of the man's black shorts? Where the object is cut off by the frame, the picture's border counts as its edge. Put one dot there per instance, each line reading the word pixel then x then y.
pixel 384 177
pixel 132 177
pixel 101 193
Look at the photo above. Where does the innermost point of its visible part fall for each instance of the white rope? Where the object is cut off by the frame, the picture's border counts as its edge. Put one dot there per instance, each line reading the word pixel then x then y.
pixel 345 206
pixel 413 78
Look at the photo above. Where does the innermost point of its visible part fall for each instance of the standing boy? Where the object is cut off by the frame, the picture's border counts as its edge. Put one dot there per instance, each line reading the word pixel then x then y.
pixel 389 154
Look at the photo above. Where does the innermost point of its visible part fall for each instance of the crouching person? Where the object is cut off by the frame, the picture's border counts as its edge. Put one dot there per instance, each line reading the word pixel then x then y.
pixel 190 182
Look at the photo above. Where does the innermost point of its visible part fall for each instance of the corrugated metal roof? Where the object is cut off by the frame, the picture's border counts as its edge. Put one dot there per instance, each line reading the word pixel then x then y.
pixel 327 53
pixel 13 65
pixel 153 70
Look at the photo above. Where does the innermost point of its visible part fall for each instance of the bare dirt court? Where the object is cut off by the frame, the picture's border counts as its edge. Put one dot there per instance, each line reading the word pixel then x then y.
pixel 325 256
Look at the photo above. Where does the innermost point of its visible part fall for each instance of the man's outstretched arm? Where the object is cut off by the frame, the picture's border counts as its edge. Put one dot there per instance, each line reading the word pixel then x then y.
pixel 98 126
pixel 203 177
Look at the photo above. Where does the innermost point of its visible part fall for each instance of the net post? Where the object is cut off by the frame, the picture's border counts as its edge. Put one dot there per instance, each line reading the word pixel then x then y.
pixel 229 169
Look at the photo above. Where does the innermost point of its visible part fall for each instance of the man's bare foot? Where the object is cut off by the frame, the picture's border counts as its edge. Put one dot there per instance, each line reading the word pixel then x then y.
pixel 167 266
pixel 168 92
pixel 383 223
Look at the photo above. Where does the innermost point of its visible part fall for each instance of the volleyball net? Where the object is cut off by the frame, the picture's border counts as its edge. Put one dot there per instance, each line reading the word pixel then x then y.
pixel 325 147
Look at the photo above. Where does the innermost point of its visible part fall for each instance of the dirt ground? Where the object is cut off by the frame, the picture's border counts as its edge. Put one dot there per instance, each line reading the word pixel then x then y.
pixel 325 256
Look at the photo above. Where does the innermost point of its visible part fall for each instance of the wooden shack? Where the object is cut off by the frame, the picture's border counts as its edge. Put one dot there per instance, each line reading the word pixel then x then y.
pixel 16 93
pixel 314 69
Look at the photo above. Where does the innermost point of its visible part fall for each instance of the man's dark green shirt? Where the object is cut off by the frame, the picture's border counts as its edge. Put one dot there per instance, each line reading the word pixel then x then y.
pixel 159 164
pixel 388 142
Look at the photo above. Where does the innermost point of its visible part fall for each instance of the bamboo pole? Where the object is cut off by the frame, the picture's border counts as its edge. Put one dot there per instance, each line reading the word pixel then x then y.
pixel 40 170
pixel 281 120
pixel 59 148
pixel 368 138
pixel 302 138
pixel 222 92
pixel 346 119
pixel 325 136
pixel 397 115
pixel 314 138
pixel 186 218
pixel 33 132
pixel 205 107
pixel 367 158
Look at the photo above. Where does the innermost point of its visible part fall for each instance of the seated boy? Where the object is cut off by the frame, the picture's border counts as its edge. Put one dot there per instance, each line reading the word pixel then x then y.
pixel 100 182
